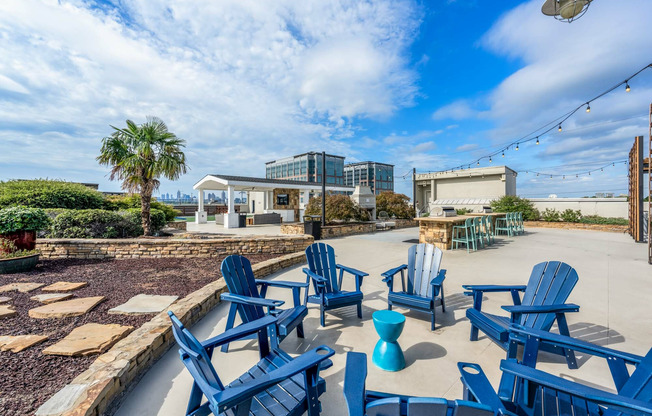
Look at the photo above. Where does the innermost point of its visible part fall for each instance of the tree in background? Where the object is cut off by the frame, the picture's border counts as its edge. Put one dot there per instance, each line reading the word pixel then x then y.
pixel 394 204
pixel 139 155
pixel 338 208
pixel 512 203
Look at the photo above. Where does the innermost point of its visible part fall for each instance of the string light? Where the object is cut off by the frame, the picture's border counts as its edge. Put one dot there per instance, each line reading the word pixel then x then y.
pixel 478 163
pixel 588 107
pixel 516 147
pixel 563 177
pixel 503 153
pixel 627 89
pixel 537 140
pixel 489 159
pixel 559 129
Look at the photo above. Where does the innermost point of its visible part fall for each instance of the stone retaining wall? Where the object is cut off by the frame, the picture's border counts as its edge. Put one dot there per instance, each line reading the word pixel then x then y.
pixel 403 223
pixel 576 226
pixel 178 225
pixel 91 392
pixel 57 248
pixel 332 231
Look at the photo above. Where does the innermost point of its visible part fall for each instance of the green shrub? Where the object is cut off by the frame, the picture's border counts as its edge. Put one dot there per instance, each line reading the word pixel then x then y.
pixel 511 203
pixel 462 211
pixel 157 217
pixel 596 219
pixel 122 202
pixel 93 223
pixel 395 205
pixel 571 216
pixel 43 193
pixel 425 214
pixel 22 219
pixel 551 215
pixel 338 208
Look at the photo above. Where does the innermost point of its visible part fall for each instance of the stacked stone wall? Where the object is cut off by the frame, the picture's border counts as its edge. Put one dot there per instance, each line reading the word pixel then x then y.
pixel 332 231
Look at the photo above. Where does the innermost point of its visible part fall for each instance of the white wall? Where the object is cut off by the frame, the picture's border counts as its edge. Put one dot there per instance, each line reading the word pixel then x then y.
pixel 604 207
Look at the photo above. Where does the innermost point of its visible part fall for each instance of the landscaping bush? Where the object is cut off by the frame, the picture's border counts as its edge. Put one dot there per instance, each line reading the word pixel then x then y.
pixel 99 223
pixel 395 205
pixel 462 211
pixel 596 219
pixel 338 208
pixel 8 250
pixel 43 193
pixel 511 203
pixel 122 202
pixel 551 215
pixel 571 216
pixel 15 219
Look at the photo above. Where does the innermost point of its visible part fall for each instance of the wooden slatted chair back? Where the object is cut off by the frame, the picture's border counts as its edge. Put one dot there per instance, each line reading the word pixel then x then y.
pixel 639 384
pixel 194 356
pixel 239 277
pixel 550 284
pixel 424 261
pixel 321 261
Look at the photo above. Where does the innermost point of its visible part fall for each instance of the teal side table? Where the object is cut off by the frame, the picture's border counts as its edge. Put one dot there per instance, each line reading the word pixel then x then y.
pixel 388 355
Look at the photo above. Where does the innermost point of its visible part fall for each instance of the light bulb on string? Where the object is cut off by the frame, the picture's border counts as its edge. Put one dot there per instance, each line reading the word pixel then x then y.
pixel 489 159
pixel 537 140
pixel 550 176
pixel 627 89
pixel 537 173
pixel 601 170
pixel 577 176
pixel 559 129
pixel 503 153
pixel 478 163
pixel 516 147
pixel 588 107
pixel 613 164
pixel 563 177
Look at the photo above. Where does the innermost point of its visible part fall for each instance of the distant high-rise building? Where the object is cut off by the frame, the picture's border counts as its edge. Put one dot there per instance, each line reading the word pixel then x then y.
pixel 178 194
pixel 223 196
pixel 307 167
pixel 378 176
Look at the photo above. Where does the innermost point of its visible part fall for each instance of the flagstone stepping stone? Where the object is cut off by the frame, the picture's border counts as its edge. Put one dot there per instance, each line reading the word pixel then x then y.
pixel 21 287
pixel 17 343
pixel 141 304
pixel 64 286
pixel 4 299
pixel 89 339
pixel 48 298
pixel 6 311
pixel 66 308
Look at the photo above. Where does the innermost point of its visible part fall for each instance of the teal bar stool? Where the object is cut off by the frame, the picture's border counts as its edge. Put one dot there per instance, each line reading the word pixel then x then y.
pixel 463 234
pixel 504 224
pixel 487 229
pixel 477 232
pixel 519 222
pixel 388 355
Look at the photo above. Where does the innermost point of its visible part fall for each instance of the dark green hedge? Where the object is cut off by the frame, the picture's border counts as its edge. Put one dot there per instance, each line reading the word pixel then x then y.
pixel 98 223
pixel 121 202
pixel 43 193
pixel 22 219
pixel 511 203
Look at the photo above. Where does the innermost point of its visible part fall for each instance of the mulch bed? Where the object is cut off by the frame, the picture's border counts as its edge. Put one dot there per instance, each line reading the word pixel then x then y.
pixel 29 378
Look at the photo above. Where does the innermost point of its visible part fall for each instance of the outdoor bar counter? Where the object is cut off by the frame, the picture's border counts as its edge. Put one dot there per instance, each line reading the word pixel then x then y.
pixel 439 230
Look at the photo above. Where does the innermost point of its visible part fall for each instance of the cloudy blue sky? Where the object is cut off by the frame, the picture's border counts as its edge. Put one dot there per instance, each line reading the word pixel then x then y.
pixel 424 84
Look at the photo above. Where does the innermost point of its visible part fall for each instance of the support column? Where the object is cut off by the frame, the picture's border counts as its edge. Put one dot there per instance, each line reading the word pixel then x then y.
pixel 305 195
pixel 200 215
pixel 432 191
pixel 231 217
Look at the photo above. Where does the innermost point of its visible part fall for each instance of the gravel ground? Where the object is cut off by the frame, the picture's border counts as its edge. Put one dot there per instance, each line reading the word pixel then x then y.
pixel 29 378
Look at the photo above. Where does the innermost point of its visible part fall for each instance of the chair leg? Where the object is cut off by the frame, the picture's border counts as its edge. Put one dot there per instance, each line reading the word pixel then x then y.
pixel 300 332
pixel 432 320
pixel 360 310
pixel 474 333
pixel 443 302
pixel 230 321
pixel 389 306
pixel 322 317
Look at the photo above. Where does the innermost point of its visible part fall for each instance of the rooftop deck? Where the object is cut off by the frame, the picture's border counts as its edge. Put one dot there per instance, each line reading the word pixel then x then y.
pixel 613 292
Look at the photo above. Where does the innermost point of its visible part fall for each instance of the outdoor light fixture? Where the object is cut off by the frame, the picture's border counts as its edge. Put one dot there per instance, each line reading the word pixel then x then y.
pixel 588 107
pixel 559 129
pixel 627 89
pixel 565 10
pixel 537 140
pixel 478 163
pixel 503 153
pixel 516 147
pixel 489 159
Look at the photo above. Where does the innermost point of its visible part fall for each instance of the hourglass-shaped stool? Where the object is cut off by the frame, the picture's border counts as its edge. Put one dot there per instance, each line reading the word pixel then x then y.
pixel 388 355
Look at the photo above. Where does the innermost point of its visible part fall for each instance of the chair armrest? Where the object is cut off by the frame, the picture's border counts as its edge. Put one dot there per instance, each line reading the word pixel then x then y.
pixel 352 271
pixel 232 396
pixel 590 394
pixel 239 332
pixel 574 344
pixel 248 300
pixel 561 308
pixel 281 283
pixel 478 387
pixel 494 288
pixel 389 274
pixel 439 279
pixel 317 278
pixel 355 375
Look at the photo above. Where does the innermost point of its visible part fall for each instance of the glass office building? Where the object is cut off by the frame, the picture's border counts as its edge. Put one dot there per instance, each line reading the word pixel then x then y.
pixel 378 176
pixel 307 167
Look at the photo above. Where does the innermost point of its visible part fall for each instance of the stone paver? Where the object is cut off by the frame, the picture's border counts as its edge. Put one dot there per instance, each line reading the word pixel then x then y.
pixel 17 343
pixel 66 308
pixel 140 304
pixel 21 287
pixel 63 401
pixel 48 298
pixel 64 286
pixel 4 299
pixel 89 339
pixel 6 311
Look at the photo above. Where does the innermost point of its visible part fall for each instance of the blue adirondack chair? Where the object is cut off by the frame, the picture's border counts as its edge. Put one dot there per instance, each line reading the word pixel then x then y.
pixel 276 385
pixel 248 302
pixel 362 402
pixel 549 286
pixel 424 289
pixel 526 391
pixel 322 270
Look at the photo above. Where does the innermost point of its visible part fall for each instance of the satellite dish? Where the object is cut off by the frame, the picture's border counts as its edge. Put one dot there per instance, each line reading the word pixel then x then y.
pixel 565 10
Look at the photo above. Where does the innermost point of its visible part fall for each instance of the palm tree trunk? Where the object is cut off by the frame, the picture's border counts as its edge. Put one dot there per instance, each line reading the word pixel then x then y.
pixel 145 203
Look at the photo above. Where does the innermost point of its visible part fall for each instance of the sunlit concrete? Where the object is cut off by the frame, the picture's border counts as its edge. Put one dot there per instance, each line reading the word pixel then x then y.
pixel 213 228
pixel 613 291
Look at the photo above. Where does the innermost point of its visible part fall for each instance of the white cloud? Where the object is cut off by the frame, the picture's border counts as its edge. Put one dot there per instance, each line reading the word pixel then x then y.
pixel 458 110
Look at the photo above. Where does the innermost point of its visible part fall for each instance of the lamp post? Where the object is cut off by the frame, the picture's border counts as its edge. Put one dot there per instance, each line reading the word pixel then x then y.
pixel 323 188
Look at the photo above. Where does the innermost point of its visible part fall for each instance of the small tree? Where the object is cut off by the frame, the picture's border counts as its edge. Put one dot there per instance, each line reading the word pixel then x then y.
pixel 338 208
pixel 394 204
pixel 512 203
pixel 139 155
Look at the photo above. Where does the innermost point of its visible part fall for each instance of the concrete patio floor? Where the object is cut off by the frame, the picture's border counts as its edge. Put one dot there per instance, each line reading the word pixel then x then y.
pixel 213 228
pixel 613 291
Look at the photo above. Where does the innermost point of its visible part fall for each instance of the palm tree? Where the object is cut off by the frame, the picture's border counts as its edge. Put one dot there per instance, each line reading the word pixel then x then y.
pixel 139 155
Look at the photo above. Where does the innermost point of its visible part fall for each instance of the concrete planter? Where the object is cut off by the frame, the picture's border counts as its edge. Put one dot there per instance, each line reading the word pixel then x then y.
pixel 18 264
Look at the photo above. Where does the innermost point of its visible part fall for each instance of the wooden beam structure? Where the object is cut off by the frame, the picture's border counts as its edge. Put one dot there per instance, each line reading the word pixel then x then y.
pixel 635 177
